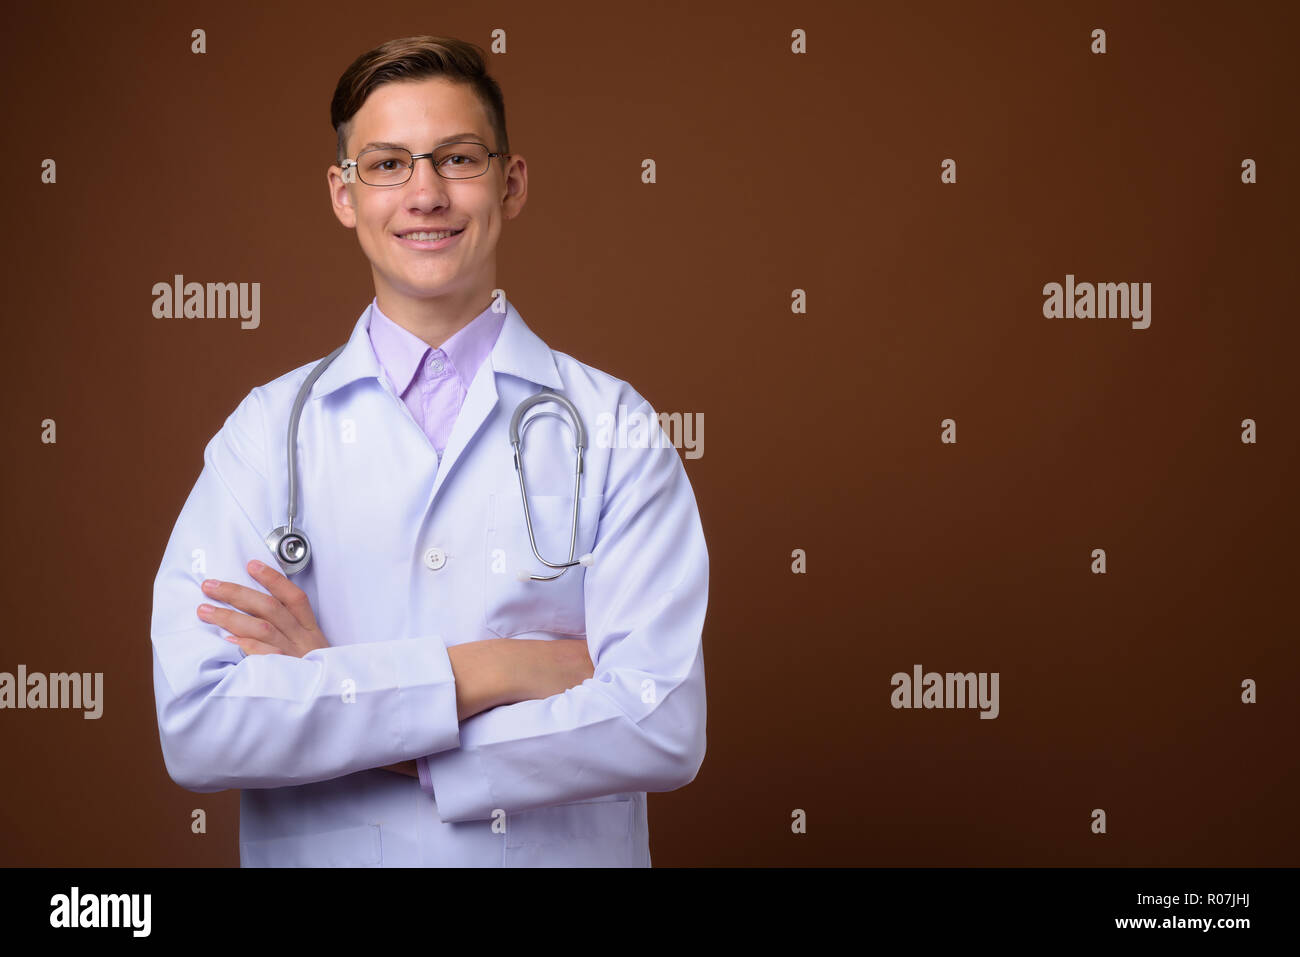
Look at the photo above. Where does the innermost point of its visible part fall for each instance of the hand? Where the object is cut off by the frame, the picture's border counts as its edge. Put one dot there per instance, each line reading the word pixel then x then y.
pixel 281 623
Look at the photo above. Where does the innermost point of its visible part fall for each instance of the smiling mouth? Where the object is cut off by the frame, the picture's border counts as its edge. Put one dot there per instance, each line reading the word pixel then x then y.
pixel 429 236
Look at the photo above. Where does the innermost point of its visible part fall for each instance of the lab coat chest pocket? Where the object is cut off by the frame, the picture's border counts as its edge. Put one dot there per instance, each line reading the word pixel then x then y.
pixel 513 607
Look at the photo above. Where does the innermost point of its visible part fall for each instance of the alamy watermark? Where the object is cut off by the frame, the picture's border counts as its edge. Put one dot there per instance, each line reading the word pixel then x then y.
pixel 58 690
pixel 637 430
pixel 75 909
pixel 179 299
pixel 1103 300
pixel 951 690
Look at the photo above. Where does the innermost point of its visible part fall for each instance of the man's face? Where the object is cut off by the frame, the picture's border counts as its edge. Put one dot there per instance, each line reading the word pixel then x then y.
pixel 421 116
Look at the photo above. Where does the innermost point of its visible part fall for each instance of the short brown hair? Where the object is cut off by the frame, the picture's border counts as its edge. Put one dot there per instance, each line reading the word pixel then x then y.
pixel 415 58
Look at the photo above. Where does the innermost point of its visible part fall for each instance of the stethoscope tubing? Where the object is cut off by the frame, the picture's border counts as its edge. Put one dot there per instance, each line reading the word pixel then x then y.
pixel 298 403
pixel 516 442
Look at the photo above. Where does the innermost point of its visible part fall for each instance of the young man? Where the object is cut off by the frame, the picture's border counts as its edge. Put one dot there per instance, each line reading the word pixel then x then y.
pixel 424 691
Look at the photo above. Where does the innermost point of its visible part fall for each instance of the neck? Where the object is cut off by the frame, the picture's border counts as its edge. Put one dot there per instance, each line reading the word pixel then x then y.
pixel 434 320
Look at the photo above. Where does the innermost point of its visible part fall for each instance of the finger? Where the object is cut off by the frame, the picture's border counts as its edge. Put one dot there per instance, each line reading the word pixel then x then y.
pixel 251 646
pixel 286 592
pixel 245 626
pixel 256 603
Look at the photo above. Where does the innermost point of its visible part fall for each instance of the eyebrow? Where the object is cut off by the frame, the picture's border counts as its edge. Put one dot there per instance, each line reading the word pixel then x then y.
pixel 454 138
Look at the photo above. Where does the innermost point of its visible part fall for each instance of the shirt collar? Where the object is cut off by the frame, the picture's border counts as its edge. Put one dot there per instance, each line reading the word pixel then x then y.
pixel 517 351
pixel 401 351
pixel 472 343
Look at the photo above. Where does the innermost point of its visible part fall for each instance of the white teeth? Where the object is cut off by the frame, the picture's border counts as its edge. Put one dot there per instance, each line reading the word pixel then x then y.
pixel 429 237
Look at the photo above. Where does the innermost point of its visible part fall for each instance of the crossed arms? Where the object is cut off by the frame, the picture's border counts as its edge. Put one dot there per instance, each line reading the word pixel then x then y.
pixel 497 727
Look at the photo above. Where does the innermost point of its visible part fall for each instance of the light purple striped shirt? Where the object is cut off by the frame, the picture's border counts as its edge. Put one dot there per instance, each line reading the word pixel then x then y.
pixel 433 383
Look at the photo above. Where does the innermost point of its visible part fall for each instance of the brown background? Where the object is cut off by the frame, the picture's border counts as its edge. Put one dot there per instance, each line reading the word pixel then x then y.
pixel 775 172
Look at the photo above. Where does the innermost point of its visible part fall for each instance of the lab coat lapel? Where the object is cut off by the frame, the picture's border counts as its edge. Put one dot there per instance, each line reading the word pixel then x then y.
pixel 480 400
pixel 518 351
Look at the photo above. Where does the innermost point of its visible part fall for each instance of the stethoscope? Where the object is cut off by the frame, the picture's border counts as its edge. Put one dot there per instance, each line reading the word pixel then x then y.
pixel 293 551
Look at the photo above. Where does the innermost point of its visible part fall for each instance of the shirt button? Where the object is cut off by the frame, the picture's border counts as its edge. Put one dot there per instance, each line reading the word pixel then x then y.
pixel 435 558
pixel 435 366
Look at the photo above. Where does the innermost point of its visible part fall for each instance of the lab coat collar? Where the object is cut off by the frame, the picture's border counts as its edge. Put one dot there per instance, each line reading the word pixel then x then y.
pixel 518 351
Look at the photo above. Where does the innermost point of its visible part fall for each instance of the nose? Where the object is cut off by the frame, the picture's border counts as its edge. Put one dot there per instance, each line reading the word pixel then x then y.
pixel 426 178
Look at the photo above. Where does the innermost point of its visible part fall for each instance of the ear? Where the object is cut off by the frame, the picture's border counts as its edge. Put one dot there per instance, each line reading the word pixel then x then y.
pixel 340 191
pixel 515 186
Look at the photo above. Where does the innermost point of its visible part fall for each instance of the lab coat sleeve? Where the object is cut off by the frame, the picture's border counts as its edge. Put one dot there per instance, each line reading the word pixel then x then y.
pixel 639 723
pixel 263 721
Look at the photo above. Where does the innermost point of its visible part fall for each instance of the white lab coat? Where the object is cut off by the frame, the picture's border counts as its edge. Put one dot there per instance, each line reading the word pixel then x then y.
pixel 410 557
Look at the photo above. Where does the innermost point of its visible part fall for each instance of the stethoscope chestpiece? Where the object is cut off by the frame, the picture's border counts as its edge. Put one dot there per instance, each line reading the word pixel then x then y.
pixel 290 548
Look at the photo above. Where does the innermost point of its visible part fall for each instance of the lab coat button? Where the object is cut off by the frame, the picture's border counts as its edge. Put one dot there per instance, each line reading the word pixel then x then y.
pixel 435 558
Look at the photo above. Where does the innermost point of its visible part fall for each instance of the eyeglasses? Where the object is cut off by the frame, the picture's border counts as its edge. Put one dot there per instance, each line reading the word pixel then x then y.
pixel 394 166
